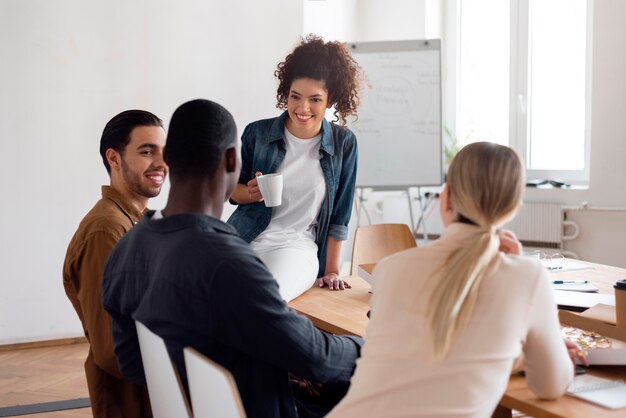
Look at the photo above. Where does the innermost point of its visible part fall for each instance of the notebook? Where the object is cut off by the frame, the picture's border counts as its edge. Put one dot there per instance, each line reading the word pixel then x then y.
pixel 604 392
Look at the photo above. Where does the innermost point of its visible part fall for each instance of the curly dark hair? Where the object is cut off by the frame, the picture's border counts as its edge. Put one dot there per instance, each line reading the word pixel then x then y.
pixel 330 62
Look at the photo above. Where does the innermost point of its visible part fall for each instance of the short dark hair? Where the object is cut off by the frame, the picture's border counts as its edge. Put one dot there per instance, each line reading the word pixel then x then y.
pixel 117 131
pixel 200 132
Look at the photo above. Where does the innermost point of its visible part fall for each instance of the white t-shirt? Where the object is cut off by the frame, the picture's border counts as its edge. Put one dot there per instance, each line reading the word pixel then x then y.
pixel 304 190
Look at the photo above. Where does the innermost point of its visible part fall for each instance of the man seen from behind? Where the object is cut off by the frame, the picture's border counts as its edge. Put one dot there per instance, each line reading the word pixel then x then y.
pixel 193 281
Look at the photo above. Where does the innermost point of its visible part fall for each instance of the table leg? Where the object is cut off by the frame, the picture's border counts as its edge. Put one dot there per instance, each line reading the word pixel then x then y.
pixel 502 412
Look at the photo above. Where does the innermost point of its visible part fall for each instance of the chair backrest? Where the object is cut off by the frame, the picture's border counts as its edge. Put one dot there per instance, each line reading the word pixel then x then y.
pixel 212 388
pixel 167 397
pixel 372 243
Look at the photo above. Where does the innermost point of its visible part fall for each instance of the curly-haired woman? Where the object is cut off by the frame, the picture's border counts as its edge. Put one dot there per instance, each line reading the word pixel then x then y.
pixel 300 240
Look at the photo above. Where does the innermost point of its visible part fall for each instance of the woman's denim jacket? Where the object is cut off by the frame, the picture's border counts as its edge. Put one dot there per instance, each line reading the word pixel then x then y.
pixel 263 149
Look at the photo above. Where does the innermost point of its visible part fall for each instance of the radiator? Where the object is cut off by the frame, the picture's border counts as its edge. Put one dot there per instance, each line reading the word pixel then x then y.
pixel 539 224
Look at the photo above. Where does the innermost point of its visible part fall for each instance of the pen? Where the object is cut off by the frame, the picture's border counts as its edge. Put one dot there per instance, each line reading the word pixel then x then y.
pixel 570 281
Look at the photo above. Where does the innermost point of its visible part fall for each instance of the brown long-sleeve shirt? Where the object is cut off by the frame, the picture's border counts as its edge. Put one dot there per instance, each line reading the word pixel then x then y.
pixel 111 394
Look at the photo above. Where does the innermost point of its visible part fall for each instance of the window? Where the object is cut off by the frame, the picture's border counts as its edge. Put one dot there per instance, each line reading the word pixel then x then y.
pixel 523 77
pixel 483 112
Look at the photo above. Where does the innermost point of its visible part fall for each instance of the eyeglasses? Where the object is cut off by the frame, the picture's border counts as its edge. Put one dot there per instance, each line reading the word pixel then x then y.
pixel 554 261
pixel 551 261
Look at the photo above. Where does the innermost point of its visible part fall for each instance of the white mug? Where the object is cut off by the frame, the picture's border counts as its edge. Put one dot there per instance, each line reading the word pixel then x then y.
pixel 271 187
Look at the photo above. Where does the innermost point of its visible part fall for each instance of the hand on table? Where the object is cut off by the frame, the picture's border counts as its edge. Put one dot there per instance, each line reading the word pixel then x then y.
pixel 509 244
pixel 575 352
pixel 253 188
pixel 333 281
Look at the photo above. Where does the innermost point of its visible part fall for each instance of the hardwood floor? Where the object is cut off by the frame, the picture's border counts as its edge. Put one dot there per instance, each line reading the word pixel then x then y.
pixel 73 413
pixel 35 375
pixel 47 374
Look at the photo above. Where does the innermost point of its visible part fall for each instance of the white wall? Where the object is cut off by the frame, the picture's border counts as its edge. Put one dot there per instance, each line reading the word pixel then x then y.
pixel 332 19
pixel 67 67
pixel 601 235
pixel 371 20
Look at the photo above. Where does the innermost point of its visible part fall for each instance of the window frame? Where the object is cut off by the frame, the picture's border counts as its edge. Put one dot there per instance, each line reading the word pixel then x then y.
pixel 519 69
pixel 518 85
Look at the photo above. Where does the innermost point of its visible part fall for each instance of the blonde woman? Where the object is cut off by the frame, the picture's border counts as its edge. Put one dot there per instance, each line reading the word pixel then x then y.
pixel 448 320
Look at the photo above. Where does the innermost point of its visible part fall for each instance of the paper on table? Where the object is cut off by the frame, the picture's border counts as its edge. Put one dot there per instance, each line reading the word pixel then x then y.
pixel 576 287
pixel 604 392
pixel 567 265
pixel 581 300
pixel 365 271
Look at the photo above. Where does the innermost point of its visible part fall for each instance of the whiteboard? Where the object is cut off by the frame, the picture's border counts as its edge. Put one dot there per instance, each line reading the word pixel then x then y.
pixel 398 128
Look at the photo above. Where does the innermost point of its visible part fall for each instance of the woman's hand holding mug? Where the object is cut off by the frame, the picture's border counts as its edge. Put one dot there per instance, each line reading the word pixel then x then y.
pixel 253 188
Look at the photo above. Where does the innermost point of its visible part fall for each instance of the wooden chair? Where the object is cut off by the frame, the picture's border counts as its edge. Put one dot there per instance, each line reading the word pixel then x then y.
pixel 167 397
pixel 372 243
pixel 212 388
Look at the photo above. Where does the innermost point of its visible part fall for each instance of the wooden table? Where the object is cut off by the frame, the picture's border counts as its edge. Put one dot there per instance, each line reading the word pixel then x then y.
pixel 337 311
pixel 519 397
pixel 602 276
pixel 345 312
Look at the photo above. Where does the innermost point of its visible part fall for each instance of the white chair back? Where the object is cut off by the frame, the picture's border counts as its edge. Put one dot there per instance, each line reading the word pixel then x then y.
pixel 212 388
pixel 167 397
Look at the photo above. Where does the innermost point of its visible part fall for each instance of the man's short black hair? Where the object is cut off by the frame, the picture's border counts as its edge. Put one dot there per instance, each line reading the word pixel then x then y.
pixel 117 131
pixel 199 133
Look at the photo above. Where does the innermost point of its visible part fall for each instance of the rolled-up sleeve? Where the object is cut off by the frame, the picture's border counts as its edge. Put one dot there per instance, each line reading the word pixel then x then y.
pixel 338 232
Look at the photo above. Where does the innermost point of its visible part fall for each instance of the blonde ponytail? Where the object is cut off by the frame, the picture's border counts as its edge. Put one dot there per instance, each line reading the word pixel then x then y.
pixel 485 182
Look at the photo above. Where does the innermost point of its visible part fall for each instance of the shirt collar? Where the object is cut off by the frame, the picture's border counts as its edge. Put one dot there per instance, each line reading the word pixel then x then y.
pixel 326 143
pixel 185 220
pixel 124 204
